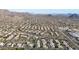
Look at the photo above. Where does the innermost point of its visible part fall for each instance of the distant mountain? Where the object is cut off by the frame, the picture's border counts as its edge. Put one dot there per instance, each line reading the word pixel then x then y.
pixel 74 16
pixel 9 15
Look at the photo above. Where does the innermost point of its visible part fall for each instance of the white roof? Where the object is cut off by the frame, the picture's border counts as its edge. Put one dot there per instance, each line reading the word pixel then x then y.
pixel 63 28
pixel 74 34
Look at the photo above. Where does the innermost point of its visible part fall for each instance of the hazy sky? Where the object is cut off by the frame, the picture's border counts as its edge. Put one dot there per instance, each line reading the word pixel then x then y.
pixel 47 11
